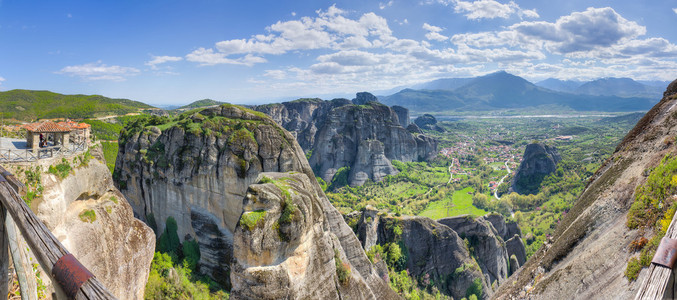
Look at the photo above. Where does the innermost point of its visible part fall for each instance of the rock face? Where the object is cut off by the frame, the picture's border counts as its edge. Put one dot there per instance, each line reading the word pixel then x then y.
pixel 492 256
pixel 538 161
pixel 402 115
pixel 115 247
pixel 363 98
pixel 198 171
pixel 364 137
pixel 428 122
pixel 589 251
pixel 287 249
pixel 437 247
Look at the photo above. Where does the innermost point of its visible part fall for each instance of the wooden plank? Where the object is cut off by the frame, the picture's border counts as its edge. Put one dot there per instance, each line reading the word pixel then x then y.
pixel 655 284
pixel 4 255
pixel 21 262
pixel 45 246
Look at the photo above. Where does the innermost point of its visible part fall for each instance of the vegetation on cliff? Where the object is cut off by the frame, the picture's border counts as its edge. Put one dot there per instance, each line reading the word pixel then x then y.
pixel 651 212
pixel 174 270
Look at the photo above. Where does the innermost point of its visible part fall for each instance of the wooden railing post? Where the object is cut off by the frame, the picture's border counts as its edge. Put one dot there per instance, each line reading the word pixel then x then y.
pixel 4 257
pixel 62 268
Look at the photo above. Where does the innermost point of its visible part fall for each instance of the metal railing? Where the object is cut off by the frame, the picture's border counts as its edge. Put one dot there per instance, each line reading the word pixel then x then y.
pixel 27 155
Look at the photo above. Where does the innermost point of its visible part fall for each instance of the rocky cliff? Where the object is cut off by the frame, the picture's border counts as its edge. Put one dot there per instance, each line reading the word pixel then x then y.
pixel 538 161
pixel 361 134
pixel 428 122
pixel 93 220
pixel 198 169
pixel 437 248
pixel 590 249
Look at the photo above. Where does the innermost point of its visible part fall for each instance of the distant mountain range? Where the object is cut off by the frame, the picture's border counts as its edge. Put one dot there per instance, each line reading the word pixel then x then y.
pixel 622 87
pixel 501 90
pixel 27 105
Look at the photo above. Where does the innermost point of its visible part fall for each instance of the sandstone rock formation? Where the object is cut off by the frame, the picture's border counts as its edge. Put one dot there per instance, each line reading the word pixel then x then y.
pixel 589 251
pixel 114 246
pixel 437 247
pixel 197 169
pixel 428 122
pixel 334 132
pixel 282 243
pixel 538 161
pixel 402 115
pixel 363 98
pixel 492 256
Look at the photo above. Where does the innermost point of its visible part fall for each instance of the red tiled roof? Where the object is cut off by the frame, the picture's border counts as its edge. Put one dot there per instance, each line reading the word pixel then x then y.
pixel 47 126
pixel 74 125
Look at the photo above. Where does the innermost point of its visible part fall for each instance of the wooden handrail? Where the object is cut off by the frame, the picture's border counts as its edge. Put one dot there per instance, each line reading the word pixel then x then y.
pixel 658 284
pixel 47 249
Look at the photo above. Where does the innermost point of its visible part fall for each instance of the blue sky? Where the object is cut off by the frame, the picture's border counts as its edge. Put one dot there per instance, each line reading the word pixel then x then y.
pixel 175 52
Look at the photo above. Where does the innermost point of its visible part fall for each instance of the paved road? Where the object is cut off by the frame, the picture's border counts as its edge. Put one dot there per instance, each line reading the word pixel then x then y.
pixel 501 181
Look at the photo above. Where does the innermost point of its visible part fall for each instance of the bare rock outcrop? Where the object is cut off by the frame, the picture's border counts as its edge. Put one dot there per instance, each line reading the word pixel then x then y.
pixel 282 243
pixel 198 169
pixel 587 255
pixel 538 161
pixel 428 122
pixel 108 240
pixel 431 248
pixel 340 133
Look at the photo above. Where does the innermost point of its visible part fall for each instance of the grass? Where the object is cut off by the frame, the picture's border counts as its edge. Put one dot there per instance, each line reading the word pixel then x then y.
pixel 250 220
pixel 88 216
pixel 462 204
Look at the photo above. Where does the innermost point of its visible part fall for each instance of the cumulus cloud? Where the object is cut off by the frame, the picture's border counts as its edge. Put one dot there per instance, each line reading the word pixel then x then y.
pixel 99 71
pixel 157 60
pixel 1 80
pixel 489 9
pixel 582 31
pixel 330 29
pixel 675 10
pixel 434 33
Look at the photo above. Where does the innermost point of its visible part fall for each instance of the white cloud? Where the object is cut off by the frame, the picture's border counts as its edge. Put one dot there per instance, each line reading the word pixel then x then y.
pixel 330 29
pixel 582 31
pixel 529 13
pixel 207 57
pixel 293 14
pixel 383 5
pixel 434 33
pixel 99 71
pixel 161 60
pixel 485 9
pixel 1 80
pixel 675 10
pixel 277 74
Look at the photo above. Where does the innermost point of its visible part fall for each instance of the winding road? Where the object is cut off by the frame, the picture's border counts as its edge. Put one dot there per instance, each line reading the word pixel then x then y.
pixel 501 181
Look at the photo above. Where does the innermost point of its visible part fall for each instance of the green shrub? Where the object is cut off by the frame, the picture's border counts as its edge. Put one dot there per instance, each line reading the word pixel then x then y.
pixel 169 240
pixel 632 271
pixel 250 220
pixel 475 289
pixel 61 170
pixel 191 253
pixel 394 253
pixel 342 269
pixel 88 216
